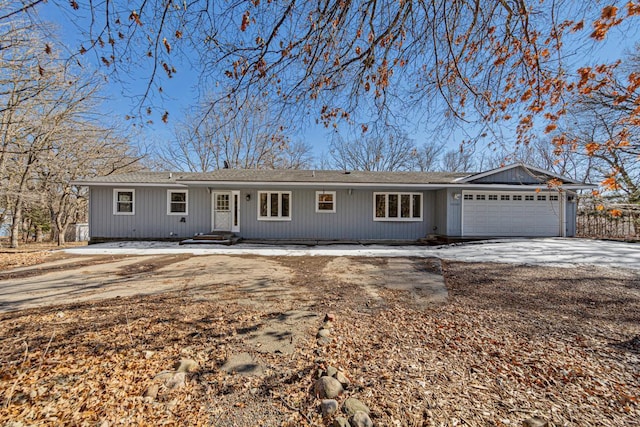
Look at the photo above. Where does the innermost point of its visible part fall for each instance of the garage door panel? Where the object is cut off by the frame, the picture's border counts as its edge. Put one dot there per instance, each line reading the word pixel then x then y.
pixel 484 218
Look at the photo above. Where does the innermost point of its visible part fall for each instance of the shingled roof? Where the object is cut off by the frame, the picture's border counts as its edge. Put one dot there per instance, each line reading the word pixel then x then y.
pixel 276 176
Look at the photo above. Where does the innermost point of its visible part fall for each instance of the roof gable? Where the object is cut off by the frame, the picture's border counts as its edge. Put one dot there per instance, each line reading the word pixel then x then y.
pixel 516 174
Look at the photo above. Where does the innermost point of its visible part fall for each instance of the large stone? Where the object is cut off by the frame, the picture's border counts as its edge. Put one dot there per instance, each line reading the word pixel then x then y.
pixel 176 381
pixel 151 393
pixel 329 317
pixel 361 419
pixel 323 341
pixel 328 388
pixel 342 379
pixel 328 407
pixel 323 333
pixel 331 371
pixel 353 405
pixel 186 365
pixel 341 422
pixel 535 422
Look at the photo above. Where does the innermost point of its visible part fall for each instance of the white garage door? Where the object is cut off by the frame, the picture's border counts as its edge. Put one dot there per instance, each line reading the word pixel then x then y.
pixel 499 214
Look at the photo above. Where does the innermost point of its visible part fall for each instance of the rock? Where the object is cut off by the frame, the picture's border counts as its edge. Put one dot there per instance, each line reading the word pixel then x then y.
pixel 341 422
pixel 176 381
pixel 149 354
pixel 328 407
pixel 151 393
pixel 353 405
pixel 361 419
pixel 186 365
pixel 60 314
pixel 329 317
pixel 323 333
pixel 535 422
pixel 164 376
pixel 327 325
pixel 327 388
pixel 331 371
pixel 342 379
pixel 323 341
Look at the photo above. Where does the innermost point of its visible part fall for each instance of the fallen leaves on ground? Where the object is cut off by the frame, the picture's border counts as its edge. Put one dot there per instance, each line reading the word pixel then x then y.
pixel 513 342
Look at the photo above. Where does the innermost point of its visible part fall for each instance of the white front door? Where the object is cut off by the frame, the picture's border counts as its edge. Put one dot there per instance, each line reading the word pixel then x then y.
pixel 225 208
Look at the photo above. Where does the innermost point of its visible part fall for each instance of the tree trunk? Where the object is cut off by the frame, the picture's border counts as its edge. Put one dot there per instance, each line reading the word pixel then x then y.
pixel 61 240
pixel 16 227
pixel 39 234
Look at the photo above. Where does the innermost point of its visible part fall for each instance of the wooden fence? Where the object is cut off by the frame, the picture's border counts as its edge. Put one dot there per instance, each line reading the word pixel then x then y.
pixel 601 224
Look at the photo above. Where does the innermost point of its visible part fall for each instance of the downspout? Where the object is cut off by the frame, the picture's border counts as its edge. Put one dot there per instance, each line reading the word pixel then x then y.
pixel 563 213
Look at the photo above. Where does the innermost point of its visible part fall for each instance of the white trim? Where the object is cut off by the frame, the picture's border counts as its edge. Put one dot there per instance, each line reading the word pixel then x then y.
pixel 270 217
pixel 387 218
pixel 512 166
pixel 116 201
pixel 333 202
pixel 235 211
pixel 462 203
pixel 186 202
pixel 563 214
pixel 381 185
pixel 126 184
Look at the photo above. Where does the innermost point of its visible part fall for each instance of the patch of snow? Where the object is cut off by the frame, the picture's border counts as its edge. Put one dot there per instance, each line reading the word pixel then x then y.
pixel 563 252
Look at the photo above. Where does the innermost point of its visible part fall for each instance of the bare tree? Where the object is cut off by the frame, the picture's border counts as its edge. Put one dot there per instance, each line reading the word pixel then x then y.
pixel 88 150
pixel 48 131
pixel 461 160
pixel 385 150
pixel 429 156
pixel 243 135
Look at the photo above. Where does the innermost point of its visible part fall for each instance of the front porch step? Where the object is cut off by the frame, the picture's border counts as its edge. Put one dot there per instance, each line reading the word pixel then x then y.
pixel 213 238
pixel 214 235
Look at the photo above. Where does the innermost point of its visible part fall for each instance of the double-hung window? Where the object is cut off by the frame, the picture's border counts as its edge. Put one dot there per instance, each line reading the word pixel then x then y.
pixel 274 205
pixel 325 201
pixel 397 206
pixel 177 202
pixel 124 201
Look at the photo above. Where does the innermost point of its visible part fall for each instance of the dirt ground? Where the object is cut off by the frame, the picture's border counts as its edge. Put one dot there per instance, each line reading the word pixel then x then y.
pixel 499 345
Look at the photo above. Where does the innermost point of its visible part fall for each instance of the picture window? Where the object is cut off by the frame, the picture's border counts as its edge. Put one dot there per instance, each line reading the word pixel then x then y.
pixel 397 206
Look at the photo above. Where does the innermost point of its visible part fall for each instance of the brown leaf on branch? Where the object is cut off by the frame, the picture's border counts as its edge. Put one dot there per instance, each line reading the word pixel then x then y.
pixel 135 17
pixel 245 21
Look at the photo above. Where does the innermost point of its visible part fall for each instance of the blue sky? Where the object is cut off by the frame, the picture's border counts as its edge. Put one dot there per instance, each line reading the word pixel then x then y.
pixel 182 91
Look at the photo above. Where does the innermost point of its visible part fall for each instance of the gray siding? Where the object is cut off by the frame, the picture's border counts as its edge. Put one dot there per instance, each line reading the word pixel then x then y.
pixel 150 219
pixel 454 209
pixel 353 219
pixel 511 176
pixel 441 212
pixel 448 212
